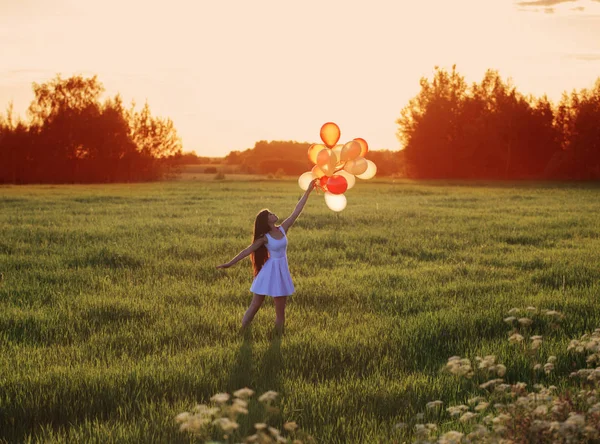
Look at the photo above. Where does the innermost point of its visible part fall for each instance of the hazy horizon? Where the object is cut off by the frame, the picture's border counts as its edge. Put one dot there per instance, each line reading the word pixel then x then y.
pixel 229 74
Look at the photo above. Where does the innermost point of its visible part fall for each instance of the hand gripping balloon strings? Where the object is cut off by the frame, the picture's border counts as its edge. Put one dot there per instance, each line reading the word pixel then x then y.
pixel 337 166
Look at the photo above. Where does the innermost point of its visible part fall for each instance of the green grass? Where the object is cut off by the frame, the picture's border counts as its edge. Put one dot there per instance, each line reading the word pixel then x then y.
pixel 113 318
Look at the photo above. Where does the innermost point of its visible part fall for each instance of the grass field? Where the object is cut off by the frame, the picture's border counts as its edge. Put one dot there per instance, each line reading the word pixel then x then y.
pixel 113 318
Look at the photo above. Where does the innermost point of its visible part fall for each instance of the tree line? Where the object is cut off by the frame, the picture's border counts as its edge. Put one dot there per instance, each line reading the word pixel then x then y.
pixel 489 130
pixel 290 157
pixel 73 137
pixel 449 130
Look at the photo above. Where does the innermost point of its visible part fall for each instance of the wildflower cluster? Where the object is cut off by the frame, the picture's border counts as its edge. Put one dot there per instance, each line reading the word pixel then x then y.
pixel 515 412
pixel 220 418
pixel 532 343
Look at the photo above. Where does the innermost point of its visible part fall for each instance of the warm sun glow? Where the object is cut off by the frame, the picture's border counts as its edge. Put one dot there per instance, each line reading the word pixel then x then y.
pixel 232 73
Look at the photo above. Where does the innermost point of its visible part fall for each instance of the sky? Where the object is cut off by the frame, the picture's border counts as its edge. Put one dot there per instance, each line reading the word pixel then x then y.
pixel 230 73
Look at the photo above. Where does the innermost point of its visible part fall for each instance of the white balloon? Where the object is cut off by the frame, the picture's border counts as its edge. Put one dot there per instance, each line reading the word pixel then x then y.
pixel 349 178
pixel 305 179
pixel 335 202
pixel 371 171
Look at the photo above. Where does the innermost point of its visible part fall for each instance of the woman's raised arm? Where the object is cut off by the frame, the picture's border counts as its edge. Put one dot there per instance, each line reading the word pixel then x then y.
pixel 286 224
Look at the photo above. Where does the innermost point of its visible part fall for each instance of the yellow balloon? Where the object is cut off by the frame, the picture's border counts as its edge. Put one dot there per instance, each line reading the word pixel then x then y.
pixel 327 161
pixel 313 151
pixel 369 172
pixel 356 166
pixel 349 178
pixel 350 151
pixel 305 179
pixel 335 202
pixel 330 134
pixel 317 172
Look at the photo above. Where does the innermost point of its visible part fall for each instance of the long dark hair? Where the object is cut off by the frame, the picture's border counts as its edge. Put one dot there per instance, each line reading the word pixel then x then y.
pixel 261 227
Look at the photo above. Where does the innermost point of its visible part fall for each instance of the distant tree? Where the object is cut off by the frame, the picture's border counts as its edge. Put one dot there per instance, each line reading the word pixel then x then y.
pixel 486 131
pixel 578 122
pixel 233 158
pixel 73 137
pixel 428 124
pixel 59 95
pixel 155 137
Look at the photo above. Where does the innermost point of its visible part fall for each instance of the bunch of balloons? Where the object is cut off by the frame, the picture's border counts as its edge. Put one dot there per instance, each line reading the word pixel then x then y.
pixel 337 166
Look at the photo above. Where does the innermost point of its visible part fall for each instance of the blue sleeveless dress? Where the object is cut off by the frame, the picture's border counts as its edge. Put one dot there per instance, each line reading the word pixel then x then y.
pixel 274 277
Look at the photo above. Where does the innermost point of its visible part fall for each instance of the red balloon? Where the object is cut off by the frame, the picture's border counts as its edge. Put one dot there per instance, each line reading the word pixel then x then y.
pixel 337 184
pixel 323 182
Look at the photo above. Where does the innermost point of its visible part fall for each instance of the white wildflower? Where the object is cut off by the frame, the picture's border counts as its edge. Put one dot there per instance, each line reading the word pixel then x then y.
pixel 536 344
pixel 182 417
pixel 482 406
pixel 226 424
pixel 475 400
pixel 515 337
pixel 274 432
pixel 268 397
pixel 434 404
pixel 456 410
pixel 467 416
pixel 290 426
pixel 451 437
pixel 240 406
pixel 243 393
pixel 220 398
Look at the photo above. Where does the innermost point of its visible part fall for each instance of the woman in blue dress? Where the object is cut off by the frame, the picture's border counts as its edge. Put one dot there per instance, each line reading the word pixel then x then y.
pixel 269 261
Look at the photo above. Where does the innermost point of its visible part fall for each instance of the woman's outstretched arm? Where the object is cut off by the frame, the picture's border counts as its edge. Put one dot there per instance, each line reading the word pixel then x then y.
pixel 286 224
pixel 245 252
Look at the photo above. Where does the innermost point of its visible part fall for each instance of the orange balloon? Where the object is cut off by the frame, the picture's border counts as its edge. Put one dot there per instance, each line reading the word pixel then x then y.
pixel 356 166
pixel 330 134
pixel 314 150
pixel 337 150
pixel 327 160
pixel 350 151
pixel 364 146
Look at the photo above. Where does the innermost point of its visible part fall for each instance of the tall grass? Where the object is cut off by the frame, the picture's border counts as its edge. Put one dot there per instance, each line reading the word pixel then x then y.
pixel 113 318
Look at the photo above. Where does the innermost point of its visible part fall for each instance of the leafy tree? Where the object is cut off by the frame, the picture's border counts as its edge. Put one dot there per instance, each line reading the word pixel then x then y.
pixel 73 137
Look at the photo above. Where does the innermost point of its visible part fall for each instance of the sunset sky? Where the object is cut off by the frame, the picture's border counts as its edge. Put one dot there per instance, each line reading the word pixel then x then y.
pixel 230 73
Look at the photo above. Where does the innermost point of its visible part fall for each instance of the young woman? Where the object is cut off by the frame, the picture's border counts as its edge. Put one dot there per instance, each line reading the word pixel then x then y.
pixel 269 261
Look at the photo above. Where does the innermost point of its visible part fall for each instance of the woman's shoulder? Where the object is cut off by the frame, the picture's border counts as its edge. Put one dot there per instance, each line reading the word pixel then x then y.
pixel 262 240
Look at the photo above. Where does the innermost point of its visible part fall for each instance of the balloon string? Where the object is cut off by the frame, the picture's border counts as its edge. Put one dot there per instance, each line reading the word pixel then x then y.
pixel 341 168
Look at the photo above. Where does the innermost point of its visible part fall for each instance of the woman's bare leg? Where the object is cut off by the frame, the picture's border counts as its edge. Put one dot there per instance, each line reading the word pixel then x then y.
pixel 257 301
pixel 280 313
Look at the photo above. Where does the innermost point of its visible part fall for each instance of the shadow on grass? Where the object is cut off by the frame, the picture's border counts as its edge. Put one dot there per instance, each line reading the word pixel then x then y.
pixel 241 372
pixel 270 367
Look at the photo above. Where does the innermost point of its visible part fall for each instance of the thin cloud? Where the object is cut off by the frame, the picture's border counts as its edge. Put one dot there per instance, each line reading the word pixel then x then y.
pixel 589 57
pixel 578 8
pixel 545 3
